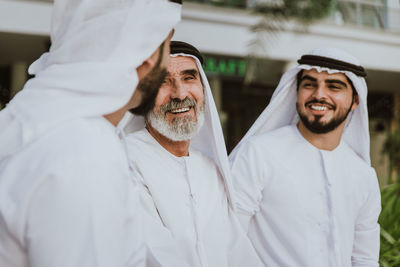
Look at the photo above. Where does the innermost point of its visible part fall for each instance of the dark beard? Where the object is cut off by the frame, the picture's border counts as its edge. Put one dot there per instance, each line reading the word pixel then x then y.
pixel 319 127
pixel 149 87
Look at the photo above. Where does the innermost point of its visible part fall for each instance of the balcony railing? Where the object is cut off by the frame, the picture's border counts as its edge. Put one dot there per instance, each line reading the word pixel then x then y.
pixel 375 14
pixel 369 13
pixel 231 3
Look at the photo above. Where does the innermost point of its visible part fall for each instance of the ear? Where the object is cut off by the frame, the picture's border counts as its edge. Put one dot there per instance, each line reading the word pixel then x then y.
pixel 148 64
pixel 152 60
pixel 356 102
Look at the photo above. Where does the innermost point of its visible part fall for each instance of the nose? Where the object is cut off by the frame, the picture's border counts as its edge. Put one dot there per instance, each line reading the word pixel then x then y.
pixel 178 91
pixel 320 92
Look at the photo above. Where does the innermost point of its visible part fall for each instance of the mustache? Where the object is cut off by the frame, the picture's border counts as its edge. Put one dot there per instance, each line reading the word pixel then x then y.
pixel 177 103
pixel 322 102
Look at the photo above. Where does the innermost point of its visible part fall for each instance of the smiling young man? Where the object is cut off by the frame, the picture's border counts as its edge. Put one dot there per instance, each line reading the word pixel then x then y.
pixel 324 102
pixel 304 186
pixel 185 172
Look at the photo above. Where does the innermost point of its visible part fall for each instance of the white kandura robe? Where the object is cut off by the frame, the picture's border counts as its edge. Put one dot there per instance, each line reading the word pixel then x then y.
pixel 309 207
pixel 187 200
pixel 69 200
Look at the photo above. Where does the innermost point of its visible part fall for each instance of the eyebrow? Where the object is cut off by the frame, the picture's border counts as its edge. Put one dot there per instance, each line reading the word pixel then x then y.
pixel 308 77
pixel 336 81
pixel 193 72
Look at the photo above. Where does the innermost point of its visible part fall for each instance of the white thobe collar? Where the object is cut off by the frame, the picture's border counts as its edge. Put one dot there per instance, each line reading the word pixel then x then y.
pixel 337 149
pixel 154 142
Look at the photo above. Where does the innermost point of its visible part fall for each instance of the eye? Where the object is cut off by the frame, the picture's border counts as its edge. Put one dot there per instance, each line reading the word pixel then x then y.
pixel 165 81
pixel 335 87
pixel 189 77
pixel 308 85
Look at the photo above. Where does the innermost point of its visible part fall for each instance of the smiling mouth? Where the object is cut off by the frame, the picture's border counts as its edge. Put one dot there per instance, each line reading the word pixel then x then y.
pixel 318 108
pixel 179 110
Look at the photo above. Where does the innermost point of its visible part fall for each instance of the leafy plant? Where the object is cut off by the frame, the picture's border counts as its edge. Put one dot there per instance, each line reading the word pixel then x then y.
pixel 390 215
pixel 390 226
pixel 391 147
pixel 274 18
pixel 304 10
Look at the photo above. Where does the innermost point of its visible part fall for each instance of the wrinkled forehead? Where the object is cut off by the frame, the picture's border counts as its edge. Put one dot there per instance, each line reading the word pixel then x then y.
pixel 178 64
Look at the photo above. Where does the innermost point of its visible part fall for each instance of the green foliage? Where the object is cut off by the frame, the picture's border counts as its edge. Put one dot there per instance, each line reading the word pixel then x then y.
pixel 391 147
pixel 304 10
pixel 390 226
pixel 230 3
pixel 390 215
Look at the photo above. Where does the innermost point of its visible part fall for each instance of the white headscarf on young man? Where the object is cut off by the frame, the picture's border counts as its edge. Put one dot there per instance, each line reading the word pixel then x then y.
pixel 281 110
pixel 209 140
pixel 90 69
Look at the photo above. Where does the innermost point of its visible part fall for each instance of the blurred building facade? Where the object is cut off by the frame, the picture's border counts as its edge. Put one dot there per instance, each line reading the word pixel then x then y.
pixel 244 65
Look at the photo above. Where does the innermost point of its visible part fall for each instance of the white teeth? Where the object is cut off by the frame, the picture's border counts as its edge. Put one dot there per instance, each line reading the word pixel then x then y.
pixel 180 110
pixel 318 107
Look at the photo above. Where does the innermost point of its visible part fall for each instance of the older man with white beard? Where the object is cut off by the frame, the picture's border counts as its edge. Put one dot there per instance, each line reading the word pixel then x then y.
pixel 185 172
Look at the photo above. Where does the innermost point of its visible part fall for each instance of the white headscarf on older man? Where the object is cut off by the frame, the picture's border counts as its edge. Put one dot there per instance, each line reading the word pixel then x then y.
pixel 220 239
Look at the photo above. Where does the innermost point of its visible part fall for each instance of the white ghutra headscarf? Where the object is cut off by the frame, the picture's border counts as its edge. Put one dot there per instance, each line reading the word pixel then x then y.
pixel 90 69
pixel 281 110
pixel 210 139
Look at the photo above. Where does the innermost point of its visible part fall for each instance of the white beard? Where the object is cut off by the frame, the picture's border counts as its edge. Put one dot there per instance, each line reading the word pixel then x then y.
pixel 180 129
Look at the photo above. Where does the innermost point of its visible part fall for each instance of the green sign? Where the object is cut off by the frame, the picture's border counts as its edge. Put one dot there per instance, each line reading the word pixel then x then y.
pixel 225 66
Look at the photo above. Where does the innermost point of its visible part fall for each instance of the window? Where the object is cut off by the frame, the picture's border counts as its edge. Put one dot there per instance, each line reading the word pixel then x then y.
pixel 4 85
pixel 371 13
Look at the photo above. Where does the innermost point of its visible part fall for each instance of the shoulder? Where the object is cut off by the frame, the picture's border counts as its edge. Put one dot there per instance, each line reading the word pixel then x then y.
pixel 80 142
pixel 80 149
pixel 140 141
pixel 203 163
pixel 84 135
pixel 141 136
pixel 361 171
pixel 359 165
pixel 201 157
pixel 144 149
pixel 283 136
pixel 84 146
pixel 270 143
pixel 79 160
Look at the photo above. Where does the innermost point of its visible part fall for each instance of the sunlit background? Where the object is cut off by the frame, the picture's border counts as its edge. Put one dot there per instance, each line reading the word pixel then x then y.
pixel 248 45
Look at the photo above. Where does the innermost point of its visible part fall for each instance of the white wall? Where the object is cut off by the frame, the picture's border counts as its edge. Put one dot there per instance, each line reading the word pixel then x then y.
pixel 220 31
pixel 25 17
pixel 227 31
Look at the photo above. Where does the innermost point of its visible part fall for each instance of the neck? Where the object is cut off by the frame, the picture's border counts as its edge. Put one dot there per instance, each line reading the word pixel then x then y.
pixel 176 148
pixel 115 117
pixel 327 141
